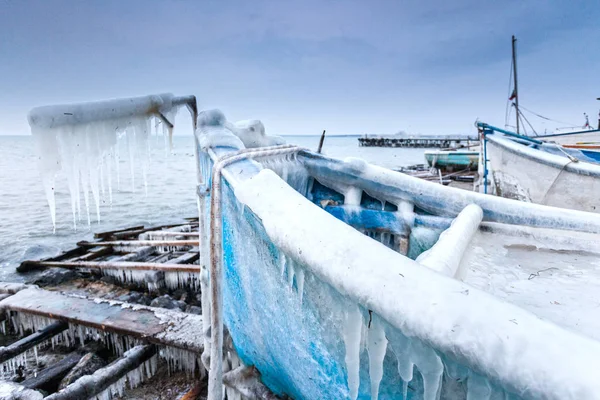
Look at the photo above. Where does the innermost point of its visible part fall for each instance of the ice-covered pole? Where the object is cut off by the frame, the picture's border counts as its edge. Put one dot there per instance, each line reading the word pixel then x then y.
pixel 81 140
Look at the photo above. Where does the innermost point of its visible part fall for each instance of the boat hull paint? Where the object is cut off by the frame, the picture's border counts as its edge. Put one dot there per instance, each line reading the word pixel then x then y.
pixel 526 174
pixel 453 159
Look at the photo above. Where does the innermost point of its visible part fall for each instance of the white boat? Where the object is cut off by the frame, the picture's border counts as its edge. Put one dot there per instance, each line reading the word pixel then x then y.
pixel 528 169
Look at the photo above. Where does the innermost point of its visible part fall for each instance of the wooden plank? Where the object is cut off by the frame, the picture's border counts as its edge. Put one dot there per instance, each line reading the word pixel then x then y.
pixel 51 375
pixel 136 255
pixel 90 385
pixel 154 325
pixel 171 233
pixel 94 253
pixel 133 232
pixel 101 235
pixel 134 243
pixel 124 265
pixel 22 345
pixel 186 258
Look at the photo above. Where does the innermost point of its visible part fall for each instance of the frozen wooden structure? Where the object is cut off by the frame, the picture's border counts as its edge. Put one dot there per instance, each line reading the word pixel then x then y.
pixel 443 142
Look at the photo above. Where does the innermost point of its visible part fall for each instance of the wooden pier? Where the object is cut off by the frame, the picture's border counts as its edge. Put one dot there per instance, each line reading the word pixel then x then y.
pixel 158 327
pixel 444 142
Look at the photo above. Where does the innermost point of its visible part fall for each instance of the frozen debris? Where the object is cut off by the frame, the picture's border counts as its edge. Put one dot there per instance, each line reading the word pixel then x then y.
pixel 152 279
pixel 86 366
pixel 14 391
pixel 110 381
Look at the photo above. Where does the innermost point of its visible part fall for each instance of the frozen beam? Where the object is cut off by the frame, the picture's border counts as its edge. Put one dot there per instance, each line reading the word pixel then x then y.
pixel 89 385
pixel 51 375
pixel 48 117
pixel 133 243
pixel 446 254
pixel 21 346
pixel 153 325
pixel 122 265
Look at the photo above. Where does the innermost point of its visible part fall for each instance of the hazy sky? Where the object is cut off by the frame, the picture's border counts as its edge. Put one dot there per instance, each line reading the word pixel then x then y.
pixel 350 67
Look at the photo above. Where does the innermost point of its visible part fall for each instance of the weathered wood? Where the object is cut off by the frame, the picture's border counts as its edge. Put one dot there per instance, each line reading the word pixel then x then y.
pixel 136 255
pixel 75 252
pixel 134 243
pixel 124 265
pixel 135 232
pixel 186 258
pixel 154 325
pixel 22 345
pixel 49 377
pixel 94 253
pixel 90 385
pixel 102 235
pixel 171 233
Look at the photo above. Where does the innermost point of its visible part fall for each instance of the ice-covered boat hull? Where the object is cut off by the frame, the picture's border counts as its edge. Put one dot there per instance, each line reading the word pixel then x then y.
pixel 524 173
pixel 324 311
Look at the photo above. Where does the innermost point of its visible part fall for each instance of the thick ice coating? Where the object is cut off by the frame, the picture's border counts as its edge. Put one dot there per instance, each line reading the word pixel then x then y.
pixel 214 130
pixel 81 139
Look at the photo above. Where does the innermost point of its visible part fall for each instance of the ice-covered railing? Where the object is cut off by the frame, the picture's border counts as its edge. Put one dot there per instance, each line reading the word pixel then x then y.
pixel 296 280
pixel 392 186
pixel 81 140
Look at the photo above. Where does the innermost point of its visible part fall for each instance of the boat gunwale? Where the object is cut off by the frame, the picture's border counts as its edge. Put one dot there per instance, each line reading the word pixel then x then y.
pixel 432 197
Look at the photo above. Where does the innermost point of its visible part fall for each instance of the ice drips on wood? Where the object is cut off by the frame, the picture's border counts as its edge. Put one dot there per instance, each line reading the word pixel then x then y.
pixel 82 140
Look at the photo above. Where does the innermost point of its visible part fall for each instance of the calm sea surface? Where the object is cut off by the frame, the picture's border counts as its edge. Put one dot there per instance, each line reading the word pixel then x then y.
pixel 26 227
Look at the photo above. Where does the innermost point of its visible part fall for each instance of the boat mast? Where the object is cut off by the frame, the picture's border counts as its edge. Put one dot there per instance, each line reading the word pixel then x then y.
pixel 516 91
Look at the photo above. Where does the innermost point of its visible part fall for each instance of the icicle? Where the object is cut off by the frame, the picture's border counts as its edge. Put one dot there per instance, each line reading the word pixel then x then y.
pixel 282 262
pixel 352 328
pixel 300 282
pixel 290 273
pixel 376 346
pixel 405 364
pixel 431 368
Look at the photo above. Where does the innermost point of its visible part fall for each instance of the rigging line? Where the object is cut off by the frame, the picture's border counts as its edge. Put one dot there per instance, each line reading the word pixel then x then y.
pixel 519 116
pixel 506 124
pixel 508 102
pixel 546 118
pixel 531 126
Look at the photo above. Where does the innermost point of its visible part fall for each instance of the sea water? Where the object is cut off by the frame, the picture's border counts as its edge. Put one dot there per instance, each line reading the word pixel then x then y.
pixel 26 225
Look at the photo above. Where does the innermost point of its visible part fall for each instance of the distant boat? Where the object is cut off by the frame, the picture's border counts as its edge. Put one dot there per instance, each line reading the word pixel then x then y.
pixel 528 169
pixel 452 160
pixel 589 150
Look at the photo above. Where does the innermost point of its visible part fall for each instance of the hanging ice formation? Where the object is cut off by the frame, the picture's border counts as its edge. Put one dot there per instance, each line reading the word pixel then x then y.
pixel 81 139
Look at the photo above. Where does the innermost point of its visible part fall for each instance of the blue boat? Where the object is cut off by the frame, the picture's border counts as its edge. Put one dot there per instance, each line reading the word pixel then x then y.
pixel 339 280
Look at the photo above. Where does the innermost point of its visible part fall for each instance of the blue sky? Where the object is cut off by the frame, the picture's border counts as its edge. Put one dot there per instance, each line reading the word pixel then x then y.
pixel 350 67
